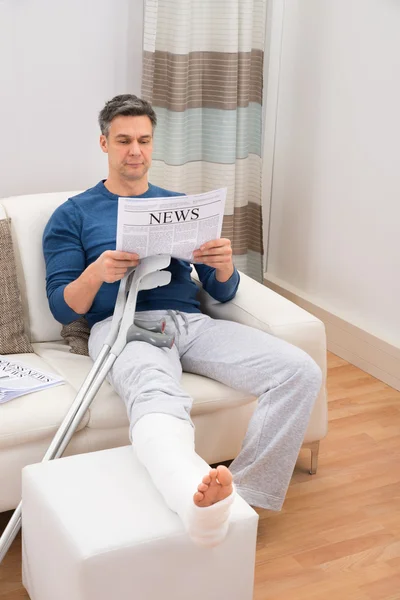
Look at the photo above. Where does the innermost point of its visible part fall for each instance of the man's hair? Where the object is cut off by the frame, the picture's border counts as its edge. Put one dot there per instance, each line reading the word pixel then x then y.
pixel 127 105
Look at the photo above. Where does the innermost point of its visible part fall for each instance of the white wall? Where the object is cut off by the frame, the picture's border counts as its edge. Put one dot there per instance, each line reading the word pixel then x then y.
pixel 60 60
pixel 335 206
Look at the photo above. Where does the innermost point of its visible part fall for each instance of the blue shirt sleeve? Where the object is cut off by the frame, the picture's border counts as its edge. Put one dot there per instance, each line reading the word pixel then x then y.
pixel 221 291
pixel 64 258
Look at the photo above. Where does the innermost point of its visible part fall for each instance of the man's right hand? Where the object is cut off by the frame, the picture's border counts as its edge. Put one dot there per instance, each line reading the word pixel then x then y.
pixel 112 265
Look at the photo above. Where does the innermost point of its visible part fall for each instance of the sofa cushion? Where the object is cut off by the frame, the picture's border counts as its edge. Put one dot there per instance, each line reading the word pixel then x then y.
pixel 38 415
pixel 13 339
pixel 108 410
pixel 30 215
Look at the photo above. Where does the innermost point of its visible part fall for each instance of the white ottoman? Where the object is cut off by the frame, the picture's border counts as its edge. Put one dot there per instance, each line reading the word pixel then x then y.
pixel 95 528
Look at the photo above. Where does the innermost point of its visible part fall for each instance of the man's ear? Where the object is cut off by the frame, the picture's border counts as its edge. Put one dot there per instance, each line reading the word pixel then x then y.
pixel 103 143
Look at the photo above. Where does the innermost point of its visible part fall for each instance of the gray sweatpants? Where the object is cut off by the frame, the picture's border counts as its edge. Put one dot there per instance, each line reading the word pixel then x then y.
pixel 284 378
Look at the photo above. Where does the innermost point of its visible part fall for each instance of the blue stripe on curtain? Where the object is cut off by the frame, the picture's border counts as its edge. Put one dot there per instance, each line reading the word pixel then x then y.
pixel 208 134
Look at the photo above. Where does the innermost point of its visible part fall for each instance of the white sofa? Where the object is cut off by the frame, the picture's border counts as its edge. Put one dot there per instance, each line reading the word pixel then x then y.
pixel 221 415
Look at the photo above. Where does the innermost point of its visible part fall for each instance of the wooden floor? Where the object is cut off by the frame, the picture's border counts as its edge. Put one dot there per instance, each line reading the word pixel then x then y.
pixel 338 535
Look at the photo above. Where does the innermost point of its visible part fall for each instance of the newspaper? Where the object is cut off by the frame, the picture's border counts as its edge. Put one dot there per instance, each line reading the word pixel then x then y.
pixel 177 225
pixel 17 379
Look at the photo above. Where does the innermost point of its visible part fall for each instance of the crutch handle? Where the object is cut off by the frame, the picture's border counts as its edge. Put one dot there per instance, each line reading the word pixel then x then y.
pixel 159 327
pixel 138 334
pixel 147 275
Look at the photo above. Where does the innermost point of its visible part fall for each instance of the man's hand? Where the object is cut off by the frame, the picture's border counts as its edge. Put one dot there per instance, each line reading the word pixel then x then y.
pixel 217 254
pixel 112 265
pixel 109 267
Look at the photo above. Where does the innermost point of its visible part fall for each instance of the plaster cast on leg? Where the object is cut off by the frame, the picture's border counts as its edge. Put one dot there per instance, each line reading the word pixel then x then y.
pixel 165 446
pixel 208 526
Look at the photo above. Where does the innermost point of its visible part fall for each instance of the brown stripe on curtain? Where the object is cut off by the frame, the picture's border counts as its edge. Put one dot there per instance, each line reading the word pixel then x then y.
pixel 244 229
pixel 202 79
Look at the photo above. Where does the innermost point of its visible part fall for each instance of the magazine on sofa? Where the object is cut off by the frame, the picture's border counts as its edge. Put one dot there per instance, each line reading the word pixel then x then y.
pixel 17 379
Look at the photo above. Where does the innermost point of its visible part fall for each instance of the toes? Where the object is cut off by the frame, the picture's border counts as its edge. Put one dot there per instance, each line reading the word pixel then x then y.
pixel 216 486
pixel 198 497
pixel 224 475
pixel 213 476
pixel 206 479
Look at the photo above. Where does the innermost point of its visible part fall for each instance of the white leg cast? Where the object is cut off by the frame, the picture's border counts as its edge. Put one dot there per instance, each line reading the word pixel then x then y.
pixel 165 446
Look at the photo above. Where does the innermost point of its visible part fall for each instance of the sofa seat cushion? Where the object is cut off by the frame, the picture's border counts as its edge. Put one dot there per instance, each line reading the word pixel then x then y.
pixel 38 415
pixel 108 410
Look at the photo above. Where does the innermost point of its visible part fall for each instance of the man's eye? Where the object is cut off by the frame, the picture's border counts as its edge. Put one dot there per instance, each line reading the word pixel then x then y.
pixel 124 142
pixel 145 142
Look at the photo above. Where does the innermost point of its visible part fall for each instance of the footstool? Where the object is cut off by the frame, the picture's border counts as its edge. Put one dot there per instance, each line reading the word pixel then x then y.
pixel 95 528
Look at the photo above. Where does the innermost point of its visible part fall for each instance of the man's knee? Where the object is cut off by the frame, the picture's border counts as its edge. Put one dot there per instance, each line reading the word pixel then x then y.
pixel 311 373
pixel 305 369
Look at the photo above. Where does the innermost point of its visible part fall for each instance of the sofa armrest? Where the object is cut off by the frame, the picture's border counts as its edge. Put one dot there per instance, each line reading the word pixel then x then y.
pixel 260 307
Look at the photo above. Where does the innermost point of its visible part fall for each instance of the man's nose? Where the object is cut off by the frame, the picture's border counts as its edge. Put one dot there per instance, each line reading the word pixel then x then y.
pixel 135 148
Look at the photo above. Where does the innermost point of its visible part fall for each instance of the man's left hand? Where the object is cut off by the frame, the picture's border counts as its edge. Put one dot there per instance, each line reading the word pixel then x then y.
pixel 217 254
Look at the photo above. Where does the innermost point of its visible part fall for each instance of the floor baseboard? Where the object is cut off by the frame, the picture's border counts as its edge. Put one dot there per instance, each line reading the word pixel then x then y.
pixel 352 343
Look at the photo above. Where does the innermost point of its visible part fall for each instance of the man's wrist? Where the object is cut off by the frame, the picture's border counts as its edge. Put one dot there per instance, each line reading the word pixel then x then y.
pixel 79 294
pixel 91 278
pixel 223 274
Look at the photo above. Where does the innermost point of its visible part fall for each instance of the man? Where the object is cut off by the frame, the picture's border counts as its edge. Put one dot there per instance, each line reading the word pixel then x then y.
pixel 83 274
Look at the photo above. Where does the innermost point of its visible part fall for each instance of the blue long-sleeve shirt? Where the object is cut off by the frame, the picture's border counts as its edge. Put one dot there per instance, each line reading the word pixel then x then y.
pixel 83 228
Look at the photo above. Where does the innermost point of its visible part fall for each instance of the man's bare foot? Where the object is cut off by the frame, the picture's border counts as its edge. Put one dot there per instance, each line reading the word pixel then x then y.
pixel 216 486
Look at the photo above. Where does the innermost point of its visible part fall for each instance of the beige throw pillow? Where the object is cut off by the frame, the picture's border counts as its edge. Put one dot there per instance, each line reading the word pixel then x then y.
pixel 76 334
pixel 13 339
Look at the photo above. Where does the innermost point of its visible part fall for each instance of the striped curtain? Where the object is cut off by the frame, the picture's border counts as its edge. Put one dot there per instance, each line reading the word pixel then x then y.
pixel 203 74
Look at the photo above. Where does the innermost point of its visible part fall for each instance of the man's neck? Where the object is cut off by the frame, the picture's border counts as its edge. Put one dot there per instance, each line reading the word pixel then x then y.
pixel 126 188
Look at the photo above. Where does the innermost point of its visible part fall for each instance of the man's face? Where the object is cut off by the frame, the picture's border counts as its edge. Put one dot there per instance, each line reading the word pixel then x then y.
pixel 129 146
